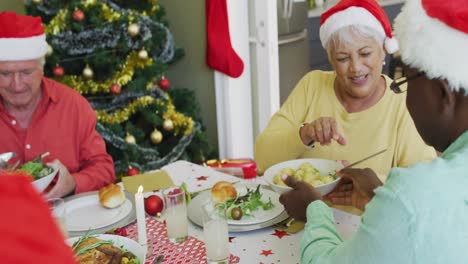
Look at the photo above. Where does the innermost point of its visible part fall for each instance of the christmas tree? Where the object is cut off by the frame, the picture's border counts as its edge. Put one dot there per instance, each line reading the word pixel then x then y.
pixel 115 53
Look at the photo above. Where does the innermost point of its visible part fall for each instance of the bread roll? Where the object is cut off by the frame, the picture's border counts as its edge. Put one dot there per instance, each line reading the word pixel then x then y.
pixel 111 196
pixel 223 191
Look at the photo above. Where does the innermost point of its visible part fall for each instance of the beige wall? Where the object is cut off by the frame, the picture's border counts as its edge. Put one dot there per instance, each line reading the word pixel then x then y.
pixel 12 5
pixel 187 24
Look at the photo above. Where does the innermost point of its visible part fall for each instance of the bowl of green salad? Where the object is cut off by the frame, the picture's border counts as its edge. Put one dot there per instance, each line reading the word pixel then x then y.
pixel 41 173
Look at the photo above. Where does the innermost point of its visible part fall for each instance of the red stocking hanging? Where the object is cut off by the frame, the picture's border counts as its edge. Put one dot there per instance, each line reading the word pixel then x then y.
pixel 220 55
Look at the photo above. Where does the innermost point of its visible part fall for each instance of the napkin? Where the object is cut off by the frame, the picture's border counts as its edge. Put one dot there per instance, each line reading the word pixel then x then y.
pixel 294 225
pixel 150 181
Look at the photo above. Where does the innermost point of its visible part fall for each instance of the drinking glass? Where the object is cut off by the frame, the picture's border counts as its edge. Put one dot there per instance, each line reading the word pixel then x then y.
pixel 57 206
pixel 175 214
pixel 215 232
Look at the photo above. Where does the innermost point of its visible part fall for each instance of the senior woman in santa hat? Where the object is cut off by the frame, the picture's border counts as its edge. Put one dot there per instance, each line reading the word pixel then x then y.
pixel 348 113
pixel 39 115
pixel 420 214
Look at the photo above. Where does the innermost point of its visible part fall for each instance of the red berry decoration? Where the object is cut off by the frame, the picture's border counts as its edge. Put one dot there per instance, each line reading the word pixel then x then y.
pixel 58 71
pixel 132 171
pixel 78 15
pixel 153 205
pixel 115 89
pixel 164 84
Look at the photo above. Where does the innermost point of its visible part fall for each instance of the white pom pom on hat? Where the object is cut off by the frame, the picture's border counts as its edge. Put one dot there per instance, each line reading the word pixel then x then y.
pixel 357 12
pixel 21 37
pixel 433 37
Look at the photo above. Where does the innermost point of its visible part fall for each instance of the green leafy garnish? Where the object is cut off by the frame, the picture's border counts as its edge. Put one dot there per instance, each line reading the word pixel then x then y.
pixel 247 203
pixel 36 169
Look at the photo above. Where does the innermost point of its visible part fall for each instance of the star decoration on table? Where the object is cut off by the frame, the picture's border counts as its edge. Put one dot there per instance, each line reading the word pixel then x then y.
pixel 280 234
pixel 202 178
pixel 266 253
pixel 230 239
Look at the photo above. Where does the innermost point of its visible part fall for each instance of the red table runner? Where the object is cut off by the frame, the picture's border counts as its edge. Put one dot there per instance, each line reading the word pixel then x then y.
pixel 191 250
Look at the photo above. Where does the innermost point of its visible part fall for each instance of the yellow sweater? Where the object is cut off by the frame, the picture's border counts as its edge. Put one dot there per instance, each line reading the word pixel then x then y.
pixel 386 124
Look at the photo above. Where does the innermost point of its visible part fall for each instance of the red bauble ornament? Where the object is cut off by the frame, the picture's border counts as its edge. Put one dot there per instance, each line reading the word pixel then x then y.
pixel 78 15
pixel 164 83
pixel 132 171
pixel 115 89
pixel 58 71
pixel 153 205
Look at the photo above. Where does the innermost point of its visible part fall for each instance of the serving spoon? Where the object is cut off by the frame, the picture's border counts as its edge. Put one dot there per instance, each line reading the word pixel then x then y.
pixel 5 157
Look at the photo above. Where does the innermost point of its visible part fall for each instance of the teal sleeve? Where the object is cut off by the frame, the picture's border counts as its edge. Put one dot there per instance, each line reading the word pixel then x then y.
pixel 384 235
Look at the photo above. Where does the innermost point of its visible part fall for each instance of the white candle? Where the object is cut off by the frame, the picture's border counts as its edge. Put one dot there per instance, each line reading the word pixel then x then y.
pixel 140 214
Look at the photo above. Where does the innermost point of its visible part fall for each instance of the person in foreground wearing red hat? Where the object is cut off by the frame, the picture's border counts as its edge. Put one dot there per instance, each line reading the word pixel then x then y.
pixel 419 215
pixel 39 115
pixel 349 113
pixel 29 232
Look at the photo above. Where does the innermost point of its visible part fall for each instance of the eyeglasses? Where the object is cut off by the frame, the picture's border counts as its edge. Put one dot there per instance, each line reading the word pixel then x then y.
pixel 396 84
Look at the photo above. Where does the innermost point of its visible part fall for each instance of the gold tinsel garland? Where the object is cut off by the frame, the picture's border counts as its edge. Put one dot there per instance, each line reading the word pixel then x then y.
pixel 58 23
pixel 182 124
pixel 122 115
pixel 121 77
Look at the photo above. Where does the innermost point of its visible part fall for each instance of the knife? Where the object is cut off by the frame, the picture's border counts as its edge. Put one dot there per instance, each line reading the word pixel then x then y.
pixel 364 159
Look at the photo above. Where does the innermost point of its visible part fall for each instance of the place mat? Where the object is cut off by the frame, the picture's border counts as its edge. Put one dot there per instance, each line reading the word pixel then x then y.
pixel 156 180
pixel 191 250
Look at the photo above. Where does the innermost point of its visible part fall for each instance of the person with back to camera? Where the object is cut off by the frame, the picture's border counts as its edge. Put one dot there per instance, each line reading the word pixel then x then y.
pixel 419 215
pixel 348 113
pixel 39 115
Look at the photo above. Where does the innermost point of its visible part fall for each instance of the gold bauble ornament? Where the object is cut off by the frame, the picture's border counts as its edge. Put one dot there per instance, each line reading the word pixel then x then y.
pixel 130 139
pixel 50 50
pixel 88 72
pixel 156 136
pixel 133 29
pixel 168 125
pixel 37 2
pixel 143 54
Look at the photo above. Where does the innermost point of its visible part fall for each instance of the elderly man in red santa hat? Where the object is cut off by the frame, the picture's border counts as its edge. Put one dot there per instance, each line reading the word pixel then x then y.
pixel 420 214
pixel 39 115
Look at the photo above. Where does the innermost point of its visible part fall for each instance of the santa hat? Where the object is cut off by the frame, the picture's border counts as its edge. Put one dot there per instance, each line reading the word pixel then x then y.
pixel 433 37
pixel 21 37
pixel 358 12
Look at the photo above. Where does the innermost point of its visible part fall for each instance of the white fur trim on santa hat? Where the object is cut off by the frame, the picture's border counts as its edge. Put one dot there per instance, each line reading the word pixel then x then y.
pixel 16 49
pixel 350 16
pixel 432 46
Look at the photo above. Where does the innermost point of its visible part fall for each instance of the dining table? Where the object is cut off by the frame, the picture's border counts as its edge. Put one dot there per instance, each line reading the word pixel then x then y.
pixel 268 244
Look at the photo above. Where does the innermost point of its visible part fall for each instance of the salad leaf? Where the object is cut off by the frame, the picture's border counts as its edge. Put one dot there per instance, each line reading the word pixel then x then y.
pixel 36 169
pixel 248 203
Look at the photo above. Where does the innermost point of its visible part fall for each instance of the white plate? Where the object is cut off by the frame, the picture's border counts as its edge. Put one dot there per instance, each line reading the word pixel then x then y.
pixel 86 213
pixel 119 241
pixel 261 217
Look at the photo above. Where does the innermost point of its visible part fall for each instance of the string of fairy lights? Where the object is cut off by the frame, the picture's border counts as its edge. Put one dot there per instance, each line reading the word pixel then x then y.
pixel 79 45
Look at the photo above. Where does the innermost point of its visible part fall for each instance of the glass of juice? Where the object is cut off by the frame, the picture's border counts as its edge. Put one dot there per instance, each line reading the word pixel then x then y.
pixel 215 233
pixel 175 214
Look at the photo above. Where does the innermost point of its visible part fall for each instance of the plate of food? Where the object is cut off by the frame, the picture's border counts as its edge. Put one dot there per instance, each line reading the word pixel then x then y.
pixel 320 173
pixel 104 248
pixel 96 210
pixel 41 173
pixel 247 206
